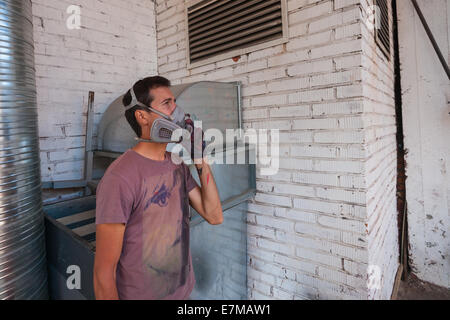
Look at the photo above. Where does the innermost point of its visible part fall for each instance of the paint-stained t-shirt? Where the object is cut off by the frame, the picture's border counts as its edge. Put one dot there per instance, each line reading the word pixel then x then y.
pixel 151 198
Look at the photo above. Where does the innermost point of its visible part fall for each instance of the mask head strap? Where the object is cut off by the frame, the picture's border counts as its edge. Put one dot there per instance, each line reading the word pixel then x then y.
pixel 135 102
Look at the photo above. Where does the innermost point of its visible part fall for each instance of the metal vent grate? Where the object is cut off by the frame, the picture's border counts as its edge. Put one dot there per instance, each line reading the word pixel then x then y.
pixel 219 26
pixel 383 33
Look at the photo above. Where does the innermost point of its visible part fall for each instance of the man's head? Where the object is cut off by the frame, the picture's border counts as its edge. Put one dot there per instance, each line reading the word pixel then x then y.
pixel 154 92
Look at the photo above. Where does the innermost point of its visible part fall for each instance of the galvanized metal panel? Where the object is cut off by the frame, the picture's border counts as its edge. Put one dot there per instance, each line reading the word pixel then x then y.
pixel 215 103
pixel 66 249
pixel 219 257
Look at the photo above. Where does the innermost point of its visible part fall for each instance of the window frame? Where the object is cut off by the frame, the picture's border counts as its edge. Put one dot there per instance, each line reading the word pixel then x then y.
pixel 386 51
pixel 235 52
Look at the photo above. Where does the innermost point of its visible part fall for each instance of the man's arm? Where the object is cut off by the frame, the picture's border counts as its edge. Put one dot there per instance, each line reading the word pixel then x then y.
pixel 109 239
pixel 205 200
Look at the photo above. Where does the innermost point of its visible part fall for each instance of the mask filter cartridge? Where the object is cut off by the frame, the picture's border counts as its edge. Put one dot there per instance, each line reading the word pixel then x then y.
pixel 162 130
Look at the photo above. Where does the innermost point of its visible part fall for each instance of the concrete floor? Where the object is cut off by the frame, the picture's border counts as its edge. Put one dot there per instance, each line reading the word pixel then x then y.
pixel 414 289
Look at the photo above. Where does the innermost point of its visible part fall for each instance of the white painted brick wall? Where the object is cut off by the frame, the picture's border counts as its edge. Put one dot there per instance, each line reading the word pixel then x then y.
pixel 381 163
pixel 115 46
pixel 307 235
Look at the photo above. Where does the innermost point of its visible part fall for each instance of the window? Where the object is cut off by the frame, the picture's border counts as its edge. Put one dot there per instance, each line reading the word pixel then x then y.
pixel 220 29
pixel 383 30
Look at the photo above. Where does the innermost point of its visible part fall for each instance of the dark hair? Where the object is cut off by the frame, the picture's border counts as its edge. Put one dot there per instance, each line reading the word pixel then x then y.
pixel 142 90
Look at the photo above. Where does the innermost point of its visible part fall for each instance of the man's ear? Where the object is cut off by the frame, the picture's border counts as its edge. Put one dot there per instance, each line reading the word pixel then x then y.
pixel 143 122
pixel 141 118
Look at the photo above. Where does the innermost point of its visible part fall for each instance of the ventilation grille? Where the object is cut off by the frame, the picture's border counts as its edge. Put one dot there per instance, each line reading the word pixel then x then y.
pixel 220 26
pixel 383 32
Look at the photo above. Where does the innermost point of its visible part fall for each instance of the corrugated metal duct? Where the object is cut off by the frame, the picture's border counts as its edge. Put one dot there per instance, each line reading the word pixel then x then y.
pixel 23 273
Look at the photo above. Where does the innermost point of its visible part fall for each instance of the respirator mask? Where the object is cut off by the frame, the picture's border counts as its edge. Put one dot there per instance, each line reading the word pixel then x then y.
pixel 163 128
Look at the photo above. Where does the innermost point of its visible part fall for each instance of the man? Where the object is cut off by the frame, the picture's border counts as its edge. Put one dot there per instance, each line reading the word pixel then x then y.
pixel 142 212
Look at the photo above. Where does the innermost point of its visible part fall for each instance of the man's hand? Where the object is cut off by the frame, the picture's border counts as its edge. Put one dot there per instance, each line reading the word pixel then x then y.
pixel 195 146
pixel 109 239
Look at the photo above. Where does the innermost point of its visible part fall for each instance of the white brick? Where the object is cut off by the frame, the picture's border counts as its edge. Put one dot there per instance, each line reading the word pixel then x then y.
pixel 281 294
pixel 268 52
pixel 254 90
pixel 354 239
pixel 261 276
pixel 281 175
pixel 317 231
pixel 250 67
pixel 272 199
pixel 313 151
pixel 311 12
pixel 283 112
pixel 257 208
pixel 339 108
pixel 349 91
pixel 309 41
pixel 261 231
pixel 302 216
pixel 203 69
pixel 336 78
pixel 326 22
pixel 339 4
pixel 297 164
pixel 348 31
pixel 75 154
pixel 298 30
pixel 275 246
pixel 339 137
pixel 311 124
pixel 311 95
pixel 295 136
pixel 255 114
pixel 295 263
pixel 316 178
pixel 320 258
pixel 297 4
pixel 286 189
pixel 352 196
pixel 336 49
pixel 339 166
pixel 269 74
pixel 292 84
pixel 276 223
pixel 333 208
pixel 310 67
pixel 269 100
pixel 288 58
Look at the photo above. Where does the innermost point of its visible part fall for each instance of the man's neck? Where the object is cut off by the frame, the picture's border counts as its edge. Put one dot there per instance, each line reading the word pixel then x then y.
pixel 151 150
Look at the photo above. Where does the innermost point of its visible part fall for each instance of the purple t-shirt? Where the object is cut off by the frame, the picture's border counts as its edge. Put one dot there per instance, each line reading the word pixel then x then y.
pixel 151 198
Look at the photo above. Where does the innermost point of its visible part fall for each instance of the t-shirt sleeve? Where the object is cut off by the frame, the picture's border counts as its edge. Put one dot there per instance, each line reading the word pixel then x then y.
pixel 114 200
pixel 190 182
